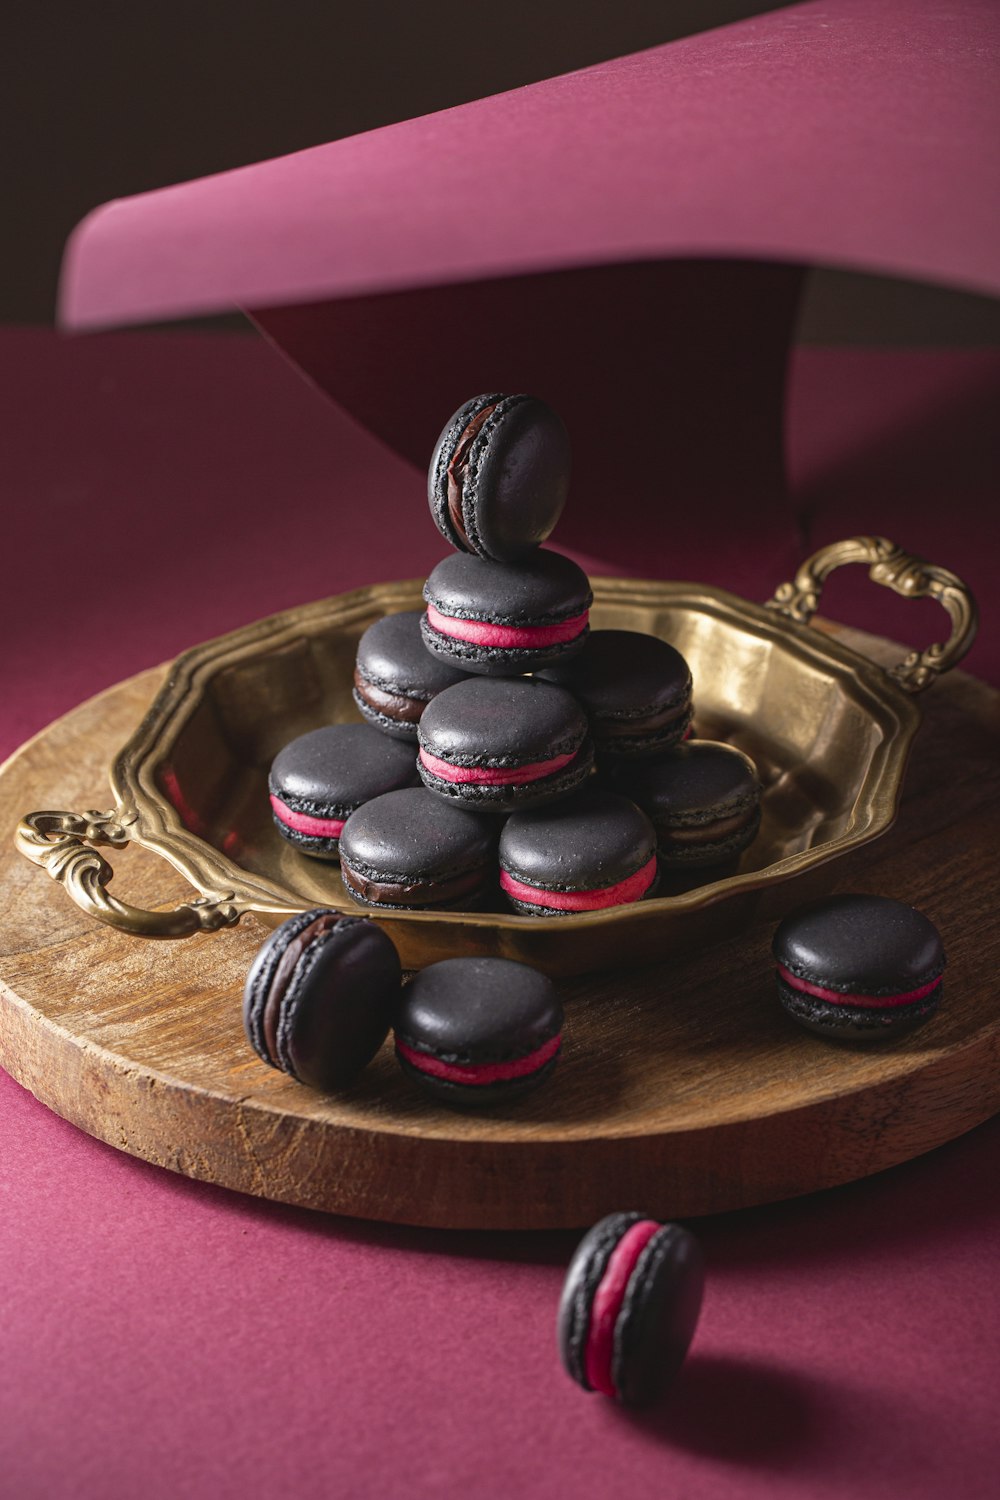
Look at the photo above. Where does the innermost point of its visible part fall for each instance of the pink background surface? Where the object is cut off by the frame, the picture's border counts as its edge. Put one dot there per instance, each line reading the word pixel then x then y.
pixel 167 1338
pixel 839 131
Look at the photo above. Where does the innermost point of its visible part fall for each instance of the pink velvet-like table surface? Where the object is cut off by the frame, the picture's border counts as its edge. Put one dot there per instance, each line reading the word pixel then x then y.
pixel 167 1338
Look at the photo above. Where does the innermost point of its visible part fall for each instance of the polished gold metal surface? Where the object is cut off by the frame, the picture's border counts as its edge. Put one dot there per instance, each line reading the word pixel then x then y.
pixel 828 729
pixel 905 574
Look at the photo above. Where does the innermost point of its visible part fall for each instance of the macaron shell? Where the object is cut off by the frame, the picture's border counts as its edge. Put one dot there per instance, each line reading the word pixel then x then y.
pixel 542 589
pixel 860 944
pixel 589 1263
pixel 478 1010
pixel 337 1010
pixel 510 722
pixel 658 1317
pixel 598 839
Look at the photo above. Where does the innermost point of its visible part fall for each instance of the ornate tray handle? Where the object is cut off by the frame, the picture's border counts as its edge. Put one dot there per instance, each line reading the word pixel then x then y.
pixel 903 573
pixel 59 842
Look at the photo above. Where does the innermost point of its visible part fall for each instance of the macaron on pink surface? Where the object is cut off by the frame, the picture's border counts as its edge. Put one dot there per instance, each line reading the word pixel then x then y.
pixel 630 1306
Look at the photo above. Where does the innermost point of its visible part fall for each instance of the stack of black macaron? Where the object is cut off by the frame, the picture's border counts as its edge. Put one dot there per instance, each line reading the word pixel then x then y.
pixel 510 755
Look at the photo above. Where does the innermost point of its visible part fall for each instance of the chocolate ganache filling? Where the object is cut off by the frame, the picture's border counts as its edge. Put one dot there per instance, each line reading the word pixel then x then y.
pixel 458 468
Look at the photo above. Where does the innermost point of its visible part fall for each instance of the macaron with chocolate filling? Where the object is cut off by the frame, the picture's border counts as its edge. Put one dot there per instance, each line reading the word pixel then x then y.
pixel 859 968
pixel 319 779
pixel 588 853
pixel 500 620
pixel 703 799
pixel 395 676
pixel 636 689
pixel 409 850
pixel 503 744
pixel 320 996
pixel 477 1032
pixel 499 474
pixel 630 1306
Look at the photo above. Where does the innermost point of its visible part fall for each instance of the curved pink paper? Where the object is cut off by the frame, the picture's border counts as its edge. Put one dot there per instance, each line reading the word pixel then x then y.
pixel 844 132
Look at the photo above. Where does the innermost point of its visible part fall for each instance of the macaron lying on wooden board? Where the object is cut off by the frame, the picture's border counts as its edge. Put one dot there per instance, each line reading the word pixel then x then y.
pixel 859 968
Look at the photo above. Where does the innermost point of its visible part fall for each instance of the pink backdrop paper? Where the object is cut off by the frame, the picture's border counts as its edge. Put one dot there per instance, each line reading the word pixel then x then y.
pixel 642 195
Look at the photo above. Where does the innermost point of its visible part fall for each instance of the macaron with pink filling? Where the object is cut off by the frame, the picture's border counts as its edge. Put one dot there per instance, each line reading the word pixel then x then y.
pixel 498 745
pixel 859 968
pixel 479 1032
pixel 499 619
pixel 630 1306
pixel 318 780
pixel 594 851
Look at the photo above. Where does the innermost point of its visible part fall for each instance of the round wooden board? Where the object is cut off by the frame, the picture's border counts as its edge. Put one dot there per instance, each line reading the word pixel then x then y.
pixel 683 1089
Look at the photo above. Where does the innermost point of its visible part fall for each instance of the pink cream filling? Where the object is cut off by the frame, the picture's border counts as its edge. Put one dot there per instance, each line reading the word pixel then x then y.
pixel 494 775
pixel 877 1002
pixel 482 633
pixel 480 1072
pixel 629 889
pixel 607 1304
pixel 317 828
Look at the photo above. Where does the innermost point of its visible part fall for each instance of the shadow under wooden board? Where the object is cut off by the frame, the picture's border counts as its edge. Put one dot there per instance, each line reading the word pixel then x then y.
pixel 683 1089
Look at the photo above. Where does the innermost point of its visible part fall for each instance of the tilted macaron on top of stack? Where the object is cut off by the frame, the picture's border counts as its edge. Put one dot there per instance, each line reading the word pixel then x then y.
pixel 498 476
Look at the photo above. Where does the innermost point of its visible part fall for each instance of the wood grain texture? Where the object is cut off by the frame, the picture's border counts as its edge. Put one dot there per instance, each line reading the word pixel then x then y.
pixel 683 1088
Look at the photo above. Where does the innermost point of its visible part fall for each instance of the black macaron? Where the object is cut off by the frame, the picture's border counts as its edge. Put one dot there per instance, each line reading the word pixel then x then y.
pixel 395 676
pixel 630 1307
pixel 409 850
pixel 703 799
pixel 636 689
pixel 859 968
pixel 591 852
pixel 503 744
pixel 320 996
pixel 478 1031
pixel 319 779
pixel 498 477
pixel 501 620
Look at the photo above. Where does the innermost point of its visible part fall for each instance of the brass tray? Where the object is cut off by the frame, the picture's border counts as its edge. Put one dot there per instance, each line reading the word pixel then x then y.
pixel 829 730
